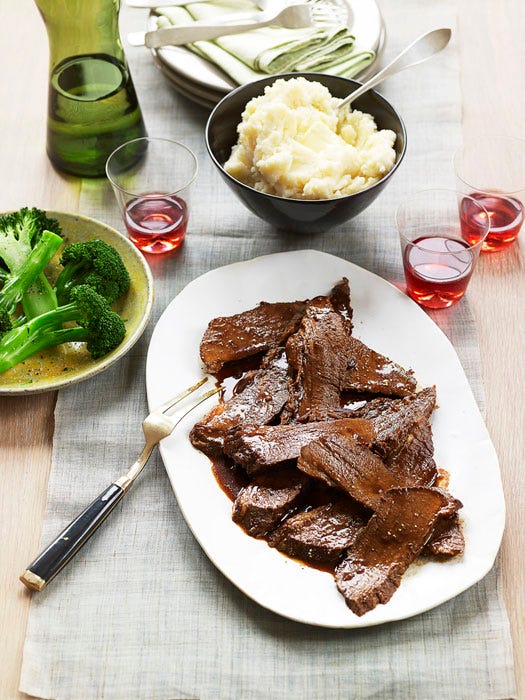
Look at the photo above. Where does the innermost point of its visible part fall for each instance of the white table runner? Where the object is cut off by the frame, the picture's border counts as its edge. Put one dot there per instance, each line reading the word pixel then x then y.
pixel 141 612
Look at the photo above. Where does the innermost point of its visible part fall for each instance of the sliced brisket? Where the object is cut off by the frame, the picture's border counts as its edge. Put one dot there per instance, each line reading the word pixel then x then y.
pixel 340 300
pixel 231 338
pixel 394 420
pixel 346 464
pixel 365 470
pixel 257 447
pixel 320 535
pixel 339 461
pixel 262 505
pixel 414 461
pixel 392 539
pixel 447 539
pixel 370 372
pixel 263 395
pixel 317 360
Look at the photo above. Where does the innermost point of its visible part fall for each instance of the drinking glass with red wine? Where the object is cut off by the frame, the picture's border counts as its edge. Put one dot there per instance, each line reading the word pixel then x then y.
pixel 438 255
pixel 151 179
pixel 494 176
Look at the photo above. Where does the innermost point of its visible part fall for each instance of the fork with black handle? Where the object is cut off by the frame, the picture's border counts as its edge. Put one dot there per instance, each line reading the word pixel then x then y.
pixel 54 558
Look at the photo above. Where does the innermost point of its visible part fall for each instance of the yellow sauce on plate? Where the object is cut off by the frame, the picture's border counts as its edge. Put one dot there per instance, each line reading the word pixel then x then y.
pixel 71 362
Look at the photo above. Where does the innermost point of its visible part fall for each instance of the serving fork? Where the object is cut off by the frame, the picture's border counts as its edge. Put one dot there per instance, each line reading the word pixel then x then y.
pixel 156 427
pixel 292 17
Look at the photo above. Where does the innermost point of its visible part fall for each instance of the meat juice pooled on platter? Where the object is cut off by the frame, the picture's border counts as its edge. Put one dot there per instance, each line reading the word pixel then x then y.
pixel 349 488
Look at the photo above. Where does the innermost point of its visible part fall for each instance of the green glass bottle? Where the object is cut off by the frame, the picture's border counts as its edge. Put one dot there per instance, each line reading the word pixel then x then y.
pixel 92 105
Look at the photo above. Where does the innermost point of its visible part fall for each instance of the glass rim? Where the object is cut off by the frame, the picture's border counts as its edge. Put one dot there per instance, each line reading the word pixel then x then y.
pixel 470 246
pixel 459 151
pixel 156 194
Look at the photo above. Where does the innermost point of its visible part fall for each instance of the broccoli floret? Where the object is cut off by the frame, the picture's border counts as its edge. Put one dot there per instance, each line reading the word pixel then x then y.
pixel 98 326
pixel 20 231
pixel 16 283
pixel 96 264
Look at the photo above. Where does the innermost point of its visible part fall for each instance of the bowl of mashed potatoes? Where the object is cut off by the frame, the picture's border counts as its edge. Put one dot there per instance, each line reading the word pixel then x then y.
pixel 297 161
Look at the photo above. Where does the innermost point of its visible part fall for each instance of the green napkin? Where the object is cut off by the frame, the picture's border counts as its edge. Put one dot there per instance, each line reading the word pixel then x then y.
pixel 232 66
pixel 269 50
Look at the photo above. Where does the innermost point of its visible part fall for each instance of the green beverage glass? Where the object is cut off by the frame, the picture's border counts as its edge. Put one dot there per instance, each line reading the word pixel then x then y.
pixel 92 104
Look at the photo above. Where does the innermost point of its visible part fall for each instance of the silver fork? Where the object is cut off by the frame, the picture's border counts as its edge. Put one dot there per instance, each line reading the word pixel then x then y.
pixel 156 426
pixel 291 17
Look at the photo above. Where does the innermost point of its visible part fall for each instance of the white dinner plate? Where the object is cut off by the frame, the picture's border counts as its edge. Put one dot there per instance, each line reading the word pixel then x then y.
pixel 192 91
pixel 193 74
pixel 389 322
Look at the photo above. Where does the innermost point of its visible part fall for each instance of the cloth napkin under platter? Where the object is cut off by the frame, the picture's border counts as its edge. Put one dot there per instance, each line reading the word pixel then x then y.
pixel 142 614
pixel 269 50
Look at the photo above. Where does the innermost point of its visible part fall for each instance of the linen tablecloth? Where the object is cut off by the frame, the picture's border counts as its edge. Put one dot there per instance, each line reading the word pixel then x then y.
pixel 141 612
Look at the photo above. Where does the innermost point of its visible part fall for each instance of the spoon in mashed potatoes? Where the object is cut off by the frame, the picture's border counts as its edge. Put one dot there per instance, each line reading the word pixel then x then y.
pixel 423 48
pixel 294 142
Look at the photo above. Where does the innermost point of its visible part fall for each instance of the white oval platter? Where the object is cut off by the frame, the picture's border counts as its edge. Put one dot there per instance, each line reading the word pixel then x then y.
pixel 389 322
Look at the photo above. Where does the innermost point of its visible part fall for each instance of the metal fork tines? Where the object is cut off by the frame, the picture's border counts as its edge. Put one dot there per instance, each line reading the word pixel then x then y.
pixel 156 426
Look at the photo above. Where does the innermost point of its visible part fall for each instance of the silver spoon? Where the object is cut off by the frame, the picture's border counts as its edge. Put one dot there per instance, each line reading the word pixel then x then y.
pixel 418 51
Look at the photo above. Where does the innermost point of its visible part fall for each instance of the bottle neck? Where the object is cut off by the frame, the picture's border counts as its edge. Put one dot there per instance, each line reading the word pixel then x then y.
pixel 81 27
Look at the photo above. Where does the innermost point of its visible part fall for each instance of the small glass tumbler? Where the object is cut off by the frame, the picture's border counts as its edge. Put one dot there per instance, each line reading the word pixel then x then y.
pixel 491 172
pixel 438 259
pixel 151 179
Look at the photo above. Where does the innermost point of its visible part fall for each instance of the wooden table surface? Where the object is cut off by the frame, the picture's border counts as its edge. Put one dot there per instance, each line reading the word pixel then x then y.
pixel 492 54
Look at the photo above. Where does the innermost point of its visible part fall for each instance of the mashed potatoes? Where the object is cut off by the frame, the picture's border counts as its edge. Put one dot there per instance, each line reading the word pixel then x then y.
pixel 293 142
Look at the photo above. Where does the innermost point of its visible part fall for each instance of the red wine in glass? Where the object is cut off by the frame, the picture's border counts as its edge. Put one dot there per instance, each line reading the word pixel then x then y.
pixel 437 270
pixel 506 218
pixel 156 223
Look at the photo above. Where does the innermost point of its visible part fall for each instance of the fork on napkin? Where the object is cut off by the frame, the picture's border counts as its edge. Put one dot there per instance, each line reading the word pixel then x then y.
pixel 251 55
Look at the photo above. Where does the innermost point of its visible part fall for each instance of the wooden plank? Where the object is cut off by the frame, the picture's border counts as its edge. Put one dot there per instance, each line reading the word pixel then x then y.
pixel 26 424
pixel 493 88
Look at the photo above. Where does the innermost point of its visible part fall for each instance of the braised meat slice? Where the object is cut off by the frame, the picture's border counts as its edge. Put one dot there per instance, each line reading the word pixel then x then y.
pixel 414 461
pixel 370 372
pixel 404 434
pixel 317 360
pixel 383 550
pixel 447 539
pixel 342 462
pixel 374 408
pixel 320 535
pixel 257 447
pixel 394 420
pixel 340 300
pixel 231 338
pixel 262 397
pixel 414 464
pixel 263 504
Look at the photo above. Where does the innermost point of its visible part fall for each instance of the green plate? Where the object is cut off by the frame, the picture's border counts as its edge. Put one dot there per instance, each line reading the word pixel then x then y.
pixel 69 363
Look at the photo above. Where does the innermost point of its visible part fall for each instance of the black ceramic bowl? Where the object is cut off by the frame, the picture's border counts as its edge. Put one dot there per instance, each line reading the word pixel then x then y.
pixel 300 215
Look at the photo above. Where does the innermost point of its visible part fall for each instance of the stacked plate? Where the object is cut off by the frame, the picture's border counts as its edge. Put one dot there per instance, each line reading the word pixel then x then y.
pixel 202 82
